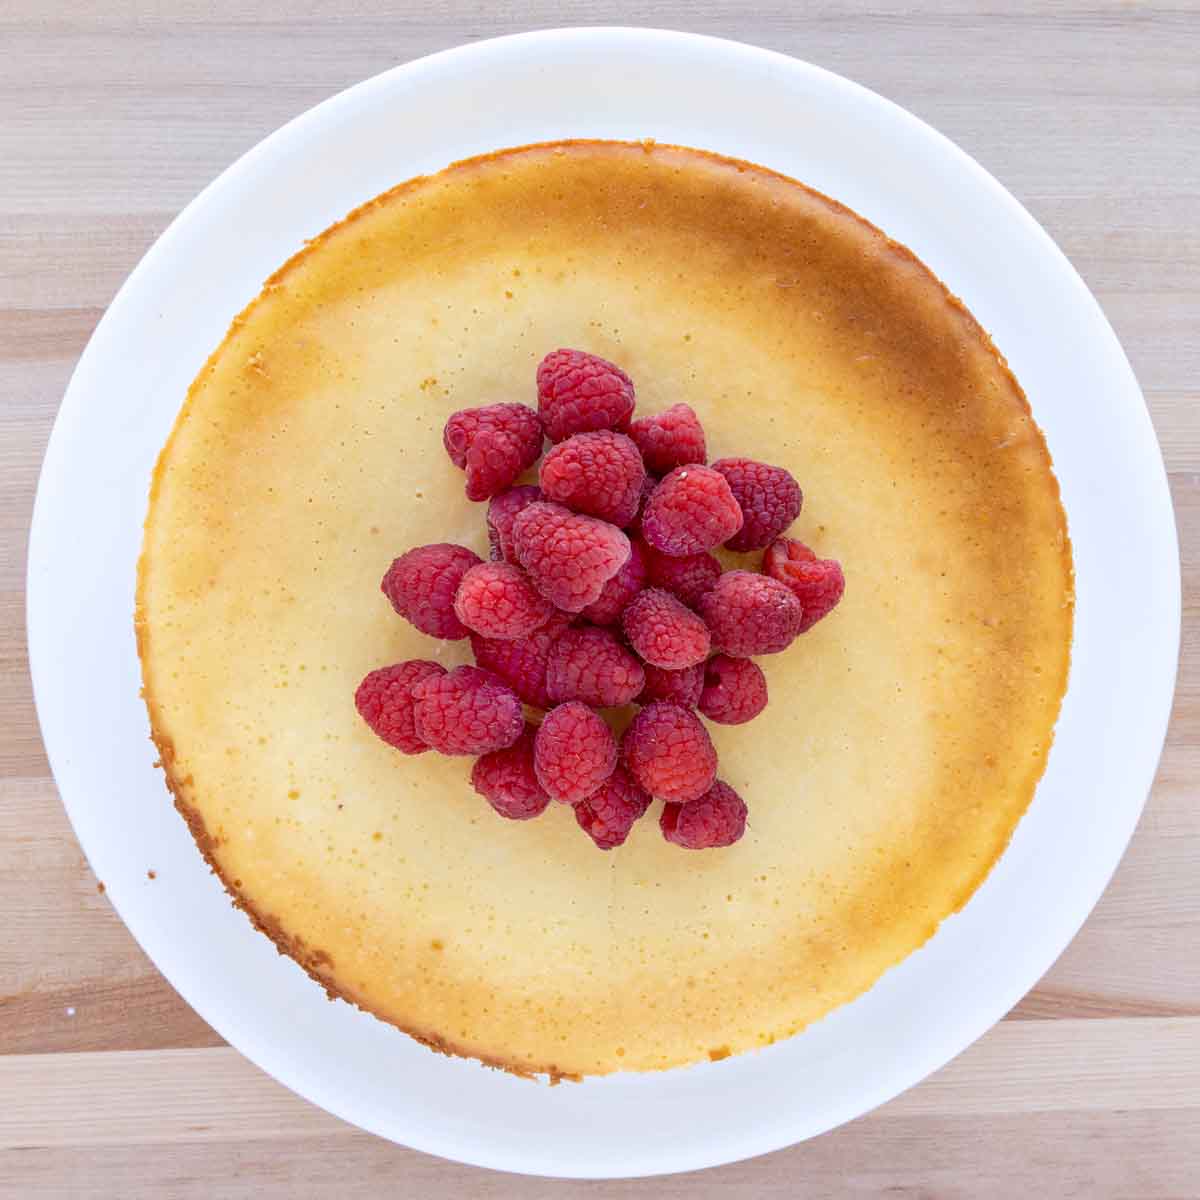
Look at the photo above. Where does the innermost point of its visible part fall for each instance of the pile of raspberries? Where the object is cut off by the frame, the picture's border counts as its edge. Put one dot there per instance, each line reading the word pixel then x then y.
pixel 601 592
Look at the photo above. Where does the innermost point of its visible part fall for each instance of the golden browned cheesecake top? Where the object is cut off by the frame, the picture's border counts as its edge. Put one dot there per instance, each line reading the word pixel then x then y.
pixel 905 733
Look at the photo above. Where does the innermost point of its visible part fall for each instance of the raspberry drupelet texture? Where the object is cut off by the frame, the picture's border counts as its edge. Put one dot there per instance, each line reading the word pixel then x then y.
pixel 574 752
pixel 718 818
pixel 818 583
pixel 668 751
pixel 687 577
pixel 670 439
pixel 522 663
pixel 591 664
pixel 497 600
pixel 569 557
pixel 384 700
pixel 735 690
pixel 620 589
pixel 422 584
pixel 768 496
pixel 467 711
pixel 664 632
pixel 691 511
pixel 493 444
pixel 502 512
pixel 598 473
pixel 610 812
pixel 506 779
pixel 751 614
pixel 678 687
pixel 579 392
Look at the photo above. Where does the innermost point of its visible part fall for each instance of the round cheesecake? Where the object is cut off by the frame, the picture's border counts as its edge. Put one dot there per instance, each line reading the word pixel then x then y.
pixel 905 733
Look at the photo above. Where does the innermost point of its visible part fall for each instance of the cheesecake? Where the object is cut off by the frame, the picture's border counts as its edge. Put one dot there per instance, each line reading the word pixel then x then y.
pixel 906 732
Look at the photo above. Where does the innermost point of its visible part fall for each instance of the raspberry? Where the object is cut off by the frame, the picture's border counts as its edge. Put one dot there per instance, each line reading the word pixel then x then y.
pixel 687 578
pixel 506 779
pixel 579 392
pixel 818 583
pixel 501 512
pixel 751 614
pixel 669 439
pixel 493 444
pixel 679 687
pixel 521 664
pixel 718 818
pixel 668 751
pixel 573 753
pixel 768 496
pixel 609 814
pixel 735 690
pixel 462 427
pixel 620 589
pixel 497 600
pixel 384 700
pixel 599 473
pixel 422 584
pixel 664 632
pixel 569 557
pixel 591 665
pixel 690 511
pixel 468 711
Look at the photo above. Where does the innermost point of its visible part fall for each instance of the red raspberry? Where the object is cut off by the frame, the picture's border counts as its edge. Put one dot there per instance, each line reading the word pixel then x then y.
pixel 670 439
pixel 620 589
pixel 494 444
pixel 718 818
pixel 690 511
pixel 608 814
pixel 422 584
pixel 384 700
pixel 579 392
pixel 735 690
pixel 591 665
pixel 506 779
pixel 679 687
pixel 462 427
pixel 768 496
pixel 687 578
pixel 574 752
pixel 664 632
pixel 569 557
pixel 599 473
pixel 468 711
pixel 751 614
pixel 497 600
pixel 522 663
pixel 818 583
pixel 502 512
pixel 668 751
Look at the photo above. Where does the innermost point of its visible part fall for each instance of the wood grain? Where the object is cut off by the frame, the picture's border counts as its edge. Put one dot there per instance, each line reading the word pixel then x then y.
pixel 112 115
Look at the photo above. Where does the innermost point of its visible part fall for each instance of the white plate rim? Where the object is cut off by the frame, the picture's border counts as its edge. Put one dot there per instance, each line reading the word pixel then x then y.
pixel 1163 610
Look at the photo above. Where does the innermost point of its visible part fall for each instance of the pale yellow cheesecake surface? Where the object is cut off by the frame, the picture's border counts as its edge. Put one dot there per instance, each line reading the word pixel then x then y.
pixel 905 734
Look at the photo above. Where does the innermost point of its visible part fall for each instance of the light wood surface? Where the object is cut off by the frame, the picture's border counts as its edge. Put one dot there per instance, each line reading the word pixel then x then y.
pixel 112 115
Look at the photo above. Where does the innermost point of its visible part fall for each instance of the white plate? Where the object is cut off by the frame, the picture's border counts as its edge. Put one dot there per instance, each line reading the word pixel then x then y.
pixel 623 83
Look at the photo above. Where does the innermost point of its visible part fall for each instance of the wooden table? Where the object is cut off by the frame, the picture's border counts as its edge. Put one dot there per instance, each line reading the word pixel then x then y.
pixel 112 115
